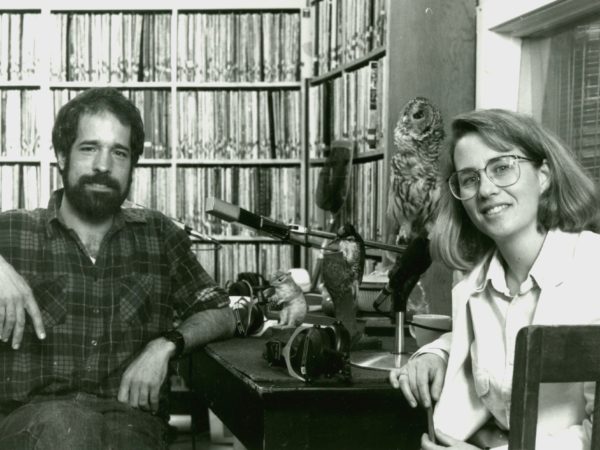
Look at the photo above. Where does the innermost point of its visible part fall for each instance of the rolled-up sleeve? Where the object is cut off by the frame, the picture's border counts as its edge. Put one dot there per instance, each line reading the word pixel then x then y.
pixel 193 290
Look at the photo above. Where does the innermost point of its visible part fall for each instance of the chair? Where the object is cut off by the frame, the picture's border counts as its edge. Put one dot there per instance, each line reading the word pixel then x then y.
pixel 551 354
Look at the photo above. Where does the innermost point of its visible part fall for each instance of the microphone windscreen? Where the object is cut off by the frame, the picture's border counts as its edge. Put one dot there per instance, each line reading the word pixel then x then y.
pixel 334 177
pixel 222 210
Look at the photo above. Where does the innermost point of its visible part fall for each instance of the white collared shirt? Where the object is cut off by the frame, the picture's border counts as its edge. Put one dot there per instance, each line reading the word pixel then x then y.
pixel 563 287
pixel 497 318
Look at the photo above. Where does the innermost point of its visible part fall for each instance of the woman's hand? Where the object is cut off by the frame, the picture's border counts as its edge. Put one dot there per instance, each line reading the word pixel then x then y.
pixel 416 376
pixel 446 442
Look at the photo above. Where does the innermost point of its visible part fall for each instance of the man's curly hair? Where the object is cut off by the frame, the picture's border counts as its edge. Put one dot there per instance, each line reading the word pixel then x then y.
pixel 94 101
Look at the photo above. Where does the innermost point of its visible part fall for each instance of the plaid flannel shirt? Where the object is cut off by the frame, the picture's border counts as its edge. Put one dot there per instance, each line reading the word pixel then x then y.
pixel 97 317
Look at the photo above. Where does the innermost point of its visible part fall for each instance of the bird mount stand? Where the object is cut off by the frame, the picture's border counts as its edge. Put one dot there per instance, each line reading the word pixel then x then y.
pixel 403 278
pixel 379 360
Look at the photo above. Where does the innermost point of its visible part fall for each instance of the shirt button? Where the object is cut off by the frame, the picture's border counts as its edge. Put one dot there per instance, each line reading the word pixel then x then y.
pixel 88 368
pixel 7 378
pixel 55 363
pixel 94 342
pixel 96 311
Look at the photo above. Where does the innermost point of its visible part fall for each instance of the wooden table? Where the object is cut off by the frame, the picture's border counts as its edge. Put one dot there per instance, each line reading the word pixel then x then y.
pixel 267 409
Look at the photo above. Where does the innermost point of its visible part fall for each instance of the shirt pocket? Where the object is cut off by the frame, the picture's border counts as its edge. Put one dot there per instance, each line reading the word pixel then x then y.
pixel 135 302
pixel 50 297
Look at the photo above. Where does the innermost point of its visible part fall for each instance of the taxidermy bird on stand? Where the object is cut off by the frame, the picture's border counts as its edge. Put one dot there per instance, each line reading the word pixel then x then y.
pixel 414 185
pixel 342 270
pixel 414 176
pixel 332 189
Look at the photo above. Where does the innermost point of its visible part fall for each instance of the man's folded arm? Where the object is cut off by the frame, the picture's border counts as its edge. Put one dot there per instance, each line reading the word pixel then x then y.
pixel 207 326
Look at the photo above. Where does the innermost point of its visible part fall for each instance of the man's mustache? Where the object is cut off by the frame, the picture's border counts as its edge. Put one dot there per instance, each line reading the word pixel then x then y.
pixel 99 178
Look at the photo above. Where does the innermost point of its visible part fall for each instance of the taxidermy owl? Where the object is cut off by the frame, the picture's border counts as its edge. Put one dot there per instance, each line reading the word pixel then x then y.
pixel 285 293
pixel 414 184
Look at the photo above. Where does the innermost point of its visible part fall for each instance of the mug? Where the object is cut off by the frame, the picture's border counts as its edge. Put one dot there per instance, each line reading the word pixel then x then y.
pixel 426 328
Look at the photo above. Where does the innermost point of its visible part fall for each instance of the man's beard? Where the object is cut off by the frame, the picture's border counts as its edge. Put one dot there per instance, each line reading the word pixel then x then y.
pixel 93 205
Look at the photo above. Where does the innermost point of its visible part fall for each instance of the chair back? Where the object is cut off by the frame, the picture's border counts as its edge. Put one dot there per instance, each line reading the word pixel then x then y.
pixel 551 354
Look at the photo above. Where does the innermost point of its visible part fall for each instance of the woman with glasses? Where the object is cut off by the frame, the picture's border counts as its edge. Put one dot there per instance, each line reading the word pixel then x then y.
pixel 517 220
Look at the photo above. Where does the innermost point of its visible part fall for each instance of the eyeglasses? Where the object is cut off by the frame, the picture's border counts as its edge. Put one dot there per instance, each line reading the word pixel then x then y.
pixel 503 171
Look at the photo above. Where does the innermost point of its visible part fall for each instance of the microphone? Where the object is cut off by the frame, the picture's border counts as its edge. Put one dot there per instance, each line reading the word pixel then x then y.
pixel 189 230
pixel 233 213
pixel 334 178
pixel 294 234
pixel 405 274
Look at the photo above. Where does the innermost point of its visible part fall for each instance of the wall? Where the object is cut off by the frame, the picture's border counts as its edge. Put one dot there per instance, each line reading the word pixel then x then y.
pixel 432 54
pixel 499 57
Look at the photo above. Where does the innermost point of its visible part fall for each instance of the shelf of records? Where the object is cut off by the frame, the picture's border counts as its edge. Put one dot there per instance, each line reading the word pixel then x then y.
pixel 364 205
pixel 136 46
pixel 345 30
pixel 238 46
pixel 110 46
pixel 225 264
pixel 20 186
pixel 272 192
pixel 18 50
pixel 239 124
pixel 19 119
pixel 350 106
pixel 216 124
pixel 211 46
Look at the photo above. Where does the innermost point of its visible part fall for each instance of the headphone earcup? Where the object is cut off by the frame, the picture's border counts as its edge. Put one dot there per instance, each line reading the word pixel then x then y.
pixel 308 357
pixel 341 337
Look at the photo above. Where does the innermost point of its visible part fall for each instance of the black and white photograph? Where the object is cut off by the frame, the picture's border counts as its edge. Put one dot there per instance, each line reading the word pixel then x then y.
pixel 299 225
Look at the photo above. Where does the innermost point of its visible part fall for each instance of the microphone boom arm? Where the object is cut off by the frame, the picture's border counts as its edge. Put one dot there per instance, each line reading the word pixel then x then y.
pixel 294 234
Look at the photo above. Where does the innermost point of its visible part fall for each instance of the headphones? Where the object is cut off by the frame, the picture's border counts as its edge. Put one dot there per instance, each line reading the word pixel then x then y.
pixel 313 351
pixel 248 316
pixel 254 281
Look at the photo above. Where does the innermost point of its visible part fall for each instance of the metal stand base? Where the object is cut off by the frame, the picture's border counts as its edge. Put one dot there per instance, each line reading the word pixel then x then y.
pixel 384 360
pixel 378 360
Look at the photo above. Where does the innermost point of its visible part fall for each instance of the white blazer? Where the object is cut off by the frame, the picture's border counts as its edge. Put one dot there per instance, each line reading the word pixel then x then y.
pixel 573 297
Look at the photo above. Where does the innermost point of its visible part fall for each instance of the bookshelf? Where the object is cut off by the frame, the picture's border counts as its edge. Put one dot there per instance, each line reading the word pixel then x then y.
pixel 370 57
pixel 219 88
pixel 342 69
pixel 345 101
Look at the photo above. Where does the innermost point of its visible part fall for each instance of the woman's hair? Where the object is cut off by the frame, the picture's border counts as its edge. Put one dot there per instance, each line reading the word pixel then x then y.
pixel 95 101
pixel 570 202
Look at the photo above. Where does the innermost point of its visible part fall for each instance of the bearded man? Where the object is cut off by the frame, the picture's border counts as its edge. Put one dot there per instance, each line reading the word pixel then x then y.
pixel 91 291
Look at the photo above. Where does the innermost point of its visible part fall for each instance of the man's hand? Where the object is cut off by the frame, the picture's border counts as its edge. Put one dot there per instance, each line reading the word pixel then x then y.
pixel 16 299
pixel 446 443
pixel 415 377
pixel 141 382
